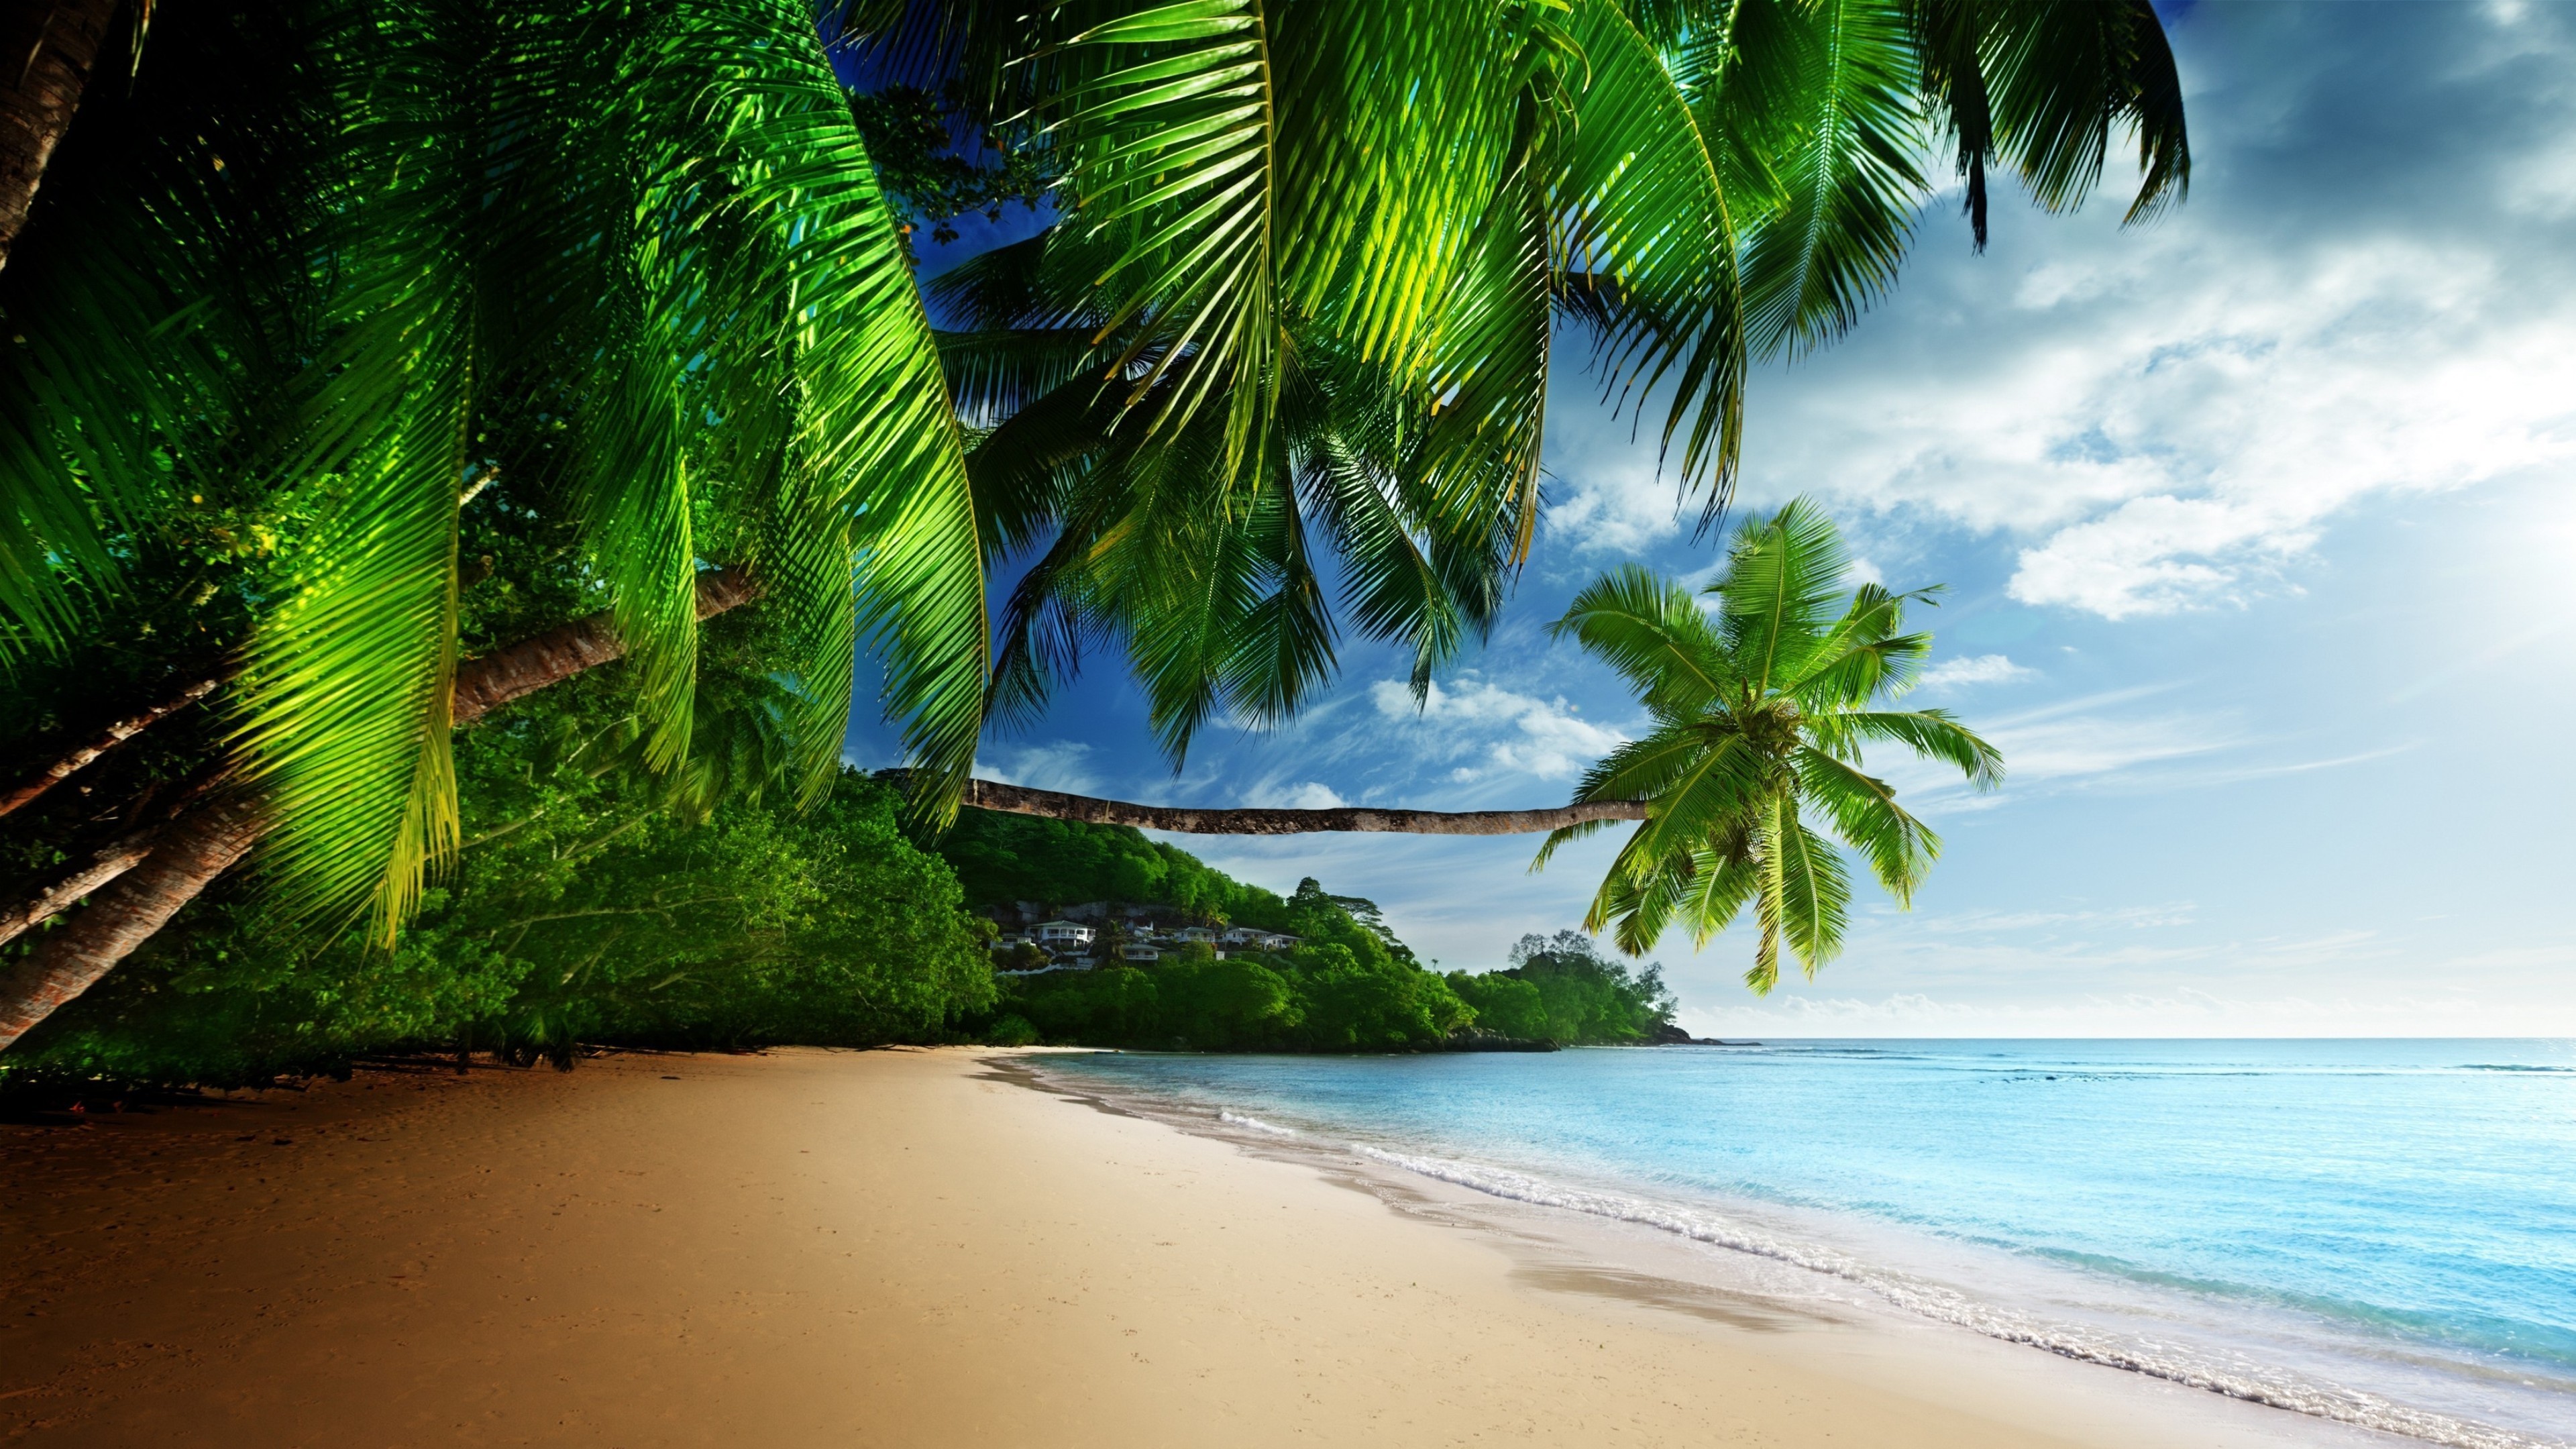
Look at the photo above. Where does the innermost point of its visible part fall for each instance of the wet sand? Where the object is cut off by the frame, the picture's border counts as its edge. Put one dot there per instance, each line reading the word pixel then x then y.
pixel 898 1248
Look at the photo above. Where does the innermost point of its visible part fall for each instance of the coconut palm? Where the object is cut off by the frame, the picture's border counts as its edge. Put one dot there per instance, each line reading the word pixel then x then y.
pixel 1296 321
pixel 1761 708
pixel 348 266
pixel 343 269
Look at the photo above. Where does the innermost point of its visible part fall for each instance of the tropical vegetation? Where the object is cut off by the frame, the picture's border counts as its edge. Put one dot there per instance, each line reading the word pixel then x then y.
pixel 1348 985
pixel 596 901
pixel 329 292
pixel 1762 703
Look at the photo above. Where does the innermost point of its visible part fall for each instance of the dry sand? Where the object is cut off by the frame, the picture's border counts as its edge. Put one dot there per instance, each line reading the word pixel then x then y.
pixel 892 1248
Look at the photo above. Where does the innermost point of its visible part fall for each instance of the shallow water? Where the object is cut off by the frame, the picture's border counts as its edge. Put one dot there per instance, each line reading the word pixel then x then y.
pixel 2379 1232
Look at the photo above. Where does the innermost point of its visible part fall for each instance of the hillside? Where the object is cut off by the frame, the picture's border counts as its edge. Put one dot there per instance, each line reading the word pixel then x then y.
pixel 1336 978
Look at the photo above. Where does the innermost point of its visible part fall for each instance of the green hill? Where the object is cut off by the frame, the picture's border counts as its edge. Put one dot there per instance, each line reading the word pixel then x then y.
pixel 1349 984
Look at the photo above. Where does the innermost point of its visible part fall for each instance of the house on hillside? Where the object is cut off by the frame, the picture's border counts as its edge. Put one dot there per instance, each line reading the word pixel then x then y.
pixel 1139 951
pixel 1063 935
pixel 1258 939
pixel 1187 934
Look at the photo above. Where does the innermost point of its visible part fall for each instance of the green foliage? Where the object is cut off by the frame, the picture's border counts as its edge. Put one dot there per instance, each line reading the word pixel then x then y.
pixel 1565 990
pixel 1349 986
pixel 1001 858
pixel 1760 717
pixel 1296 322
pixel 921 167
pixel 330 274
pixel 593 900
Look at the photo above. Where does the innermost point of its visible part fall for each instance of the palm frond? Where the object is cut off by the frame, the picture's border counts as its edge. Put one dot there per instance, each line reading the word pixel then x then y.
pixel 1824 92
pixel 1655 242
pixel 1654 635
pixel 871 486
pixel 1931 733
pixel 2063 76
pixel 1815 892
pixel 1781 580
pixel 1900 848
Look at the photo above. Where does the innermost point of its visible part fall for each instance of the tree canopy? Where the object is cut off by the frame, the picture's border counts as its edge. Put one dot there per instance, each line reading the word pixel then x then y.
pixel 1762 707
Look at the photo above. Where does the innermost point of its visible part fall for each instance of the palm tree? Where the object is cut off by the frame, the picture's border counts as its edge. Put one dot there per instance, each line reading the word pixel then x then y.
pixel 1313 257
pixel 57 44
pixel 354 265
pixel 1761 709
pixel 344 269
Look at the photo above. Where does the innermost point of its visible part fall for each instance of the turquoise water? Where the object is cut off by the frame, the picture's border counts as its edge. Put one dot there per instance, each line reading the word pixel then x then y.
pixel 2382 1232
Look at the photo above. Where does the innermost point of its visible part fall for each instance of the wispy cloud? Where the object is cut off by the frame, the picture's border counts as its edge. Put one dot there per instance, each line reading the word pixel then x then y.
pixel 1061 765
pixel 1481 729
pixel 1983 669
pixel 1305 795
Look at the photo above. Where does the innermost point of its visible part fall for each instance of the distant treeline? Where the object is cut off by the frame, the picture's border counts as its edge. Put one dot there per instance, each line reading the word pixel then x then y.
pixel 596 901
pixel 1345 988
pixel 1001 859
pixel 1350 985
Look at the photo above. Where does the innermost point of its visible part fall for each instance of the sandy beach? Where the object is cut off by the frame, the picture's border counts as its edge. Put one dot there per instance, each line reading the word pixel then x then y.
pixel 902 1248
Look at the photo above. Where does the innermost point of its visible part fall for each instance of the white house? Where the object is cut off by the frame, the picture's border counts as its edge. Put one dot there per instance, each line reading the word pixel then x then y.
pixel 1195 933
pixel 1259 939
pixel 1057 934
pixel 1139 951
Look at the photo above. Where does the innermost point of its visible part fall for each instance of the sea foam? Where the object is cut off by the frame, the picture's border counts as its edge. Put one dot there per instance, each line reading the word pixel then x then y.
pixel 2275 1388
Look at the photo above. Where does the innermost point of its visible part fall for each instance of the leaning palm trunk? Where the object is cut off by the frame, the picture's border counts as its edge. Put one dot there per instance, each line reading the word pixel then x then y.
pixel 143 881
pixel 54 42
pixel 182 864
pixel 1020 800
pixel 107 739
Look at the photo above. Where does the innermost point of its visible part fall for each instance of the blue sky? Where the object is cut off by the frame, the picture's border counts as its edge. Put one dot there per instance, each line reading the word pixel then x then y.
pixel 2254 522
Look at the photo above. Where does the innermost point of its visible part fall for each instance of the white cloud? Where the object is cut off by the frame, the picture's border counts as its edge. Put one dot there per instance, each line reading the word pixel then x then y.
pixel 1618 501
pixel 2169 418
pixel 1983 669
pixel 2084 742
pixel 1491 730
pixel 1057 766
pixel 1311 795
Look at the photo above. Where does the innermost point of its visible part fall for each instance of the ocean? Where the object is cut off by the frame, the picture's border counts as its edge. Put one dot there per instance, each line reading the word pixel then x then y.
pixel 2377 1232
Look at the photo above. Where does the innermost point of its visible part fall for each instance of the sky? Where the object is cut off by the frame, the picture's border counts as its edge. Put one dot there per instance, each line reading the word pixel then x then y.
pixel 2254 521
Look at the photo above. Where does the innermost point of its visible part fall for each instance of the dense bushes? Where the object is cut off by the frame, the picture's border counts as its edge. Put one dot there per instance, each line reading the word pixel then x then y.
pixel 596 901
pixel 1563 988
pixel 593 901
pixel 1350 985
pixel 1004 858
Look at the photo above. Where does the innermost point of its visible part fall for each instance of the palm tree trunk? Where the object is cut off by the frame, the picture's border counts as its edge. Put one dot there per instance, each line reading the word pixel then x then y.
pixel 199 847
pixel 495 679
pixel 1020 800
pixel 106 740
pixel 110 861
pixel 51 45
pixel 143 890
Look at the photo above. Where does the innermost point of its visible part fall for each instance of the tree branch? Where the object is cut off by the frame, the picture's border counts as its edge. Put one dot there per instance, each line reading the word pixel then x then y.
pixel 486 683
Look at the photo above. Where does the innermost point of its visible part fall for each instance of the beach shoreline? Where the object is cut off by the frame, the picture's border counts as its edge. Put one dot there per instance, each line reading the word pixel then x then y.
pixel 909 1247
